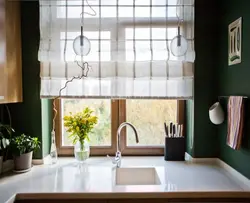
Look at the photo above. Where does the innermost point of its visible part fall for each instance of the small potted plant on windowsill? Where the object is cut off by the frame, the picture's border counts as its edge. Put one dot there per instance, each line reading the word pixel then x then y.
pixel 79 126
pixel 22 148
pixel 5 136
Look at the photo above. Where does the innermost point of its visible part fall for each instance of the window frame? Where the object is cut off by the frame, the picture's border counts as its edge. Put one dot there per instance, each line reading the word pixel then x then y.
pixel 118 115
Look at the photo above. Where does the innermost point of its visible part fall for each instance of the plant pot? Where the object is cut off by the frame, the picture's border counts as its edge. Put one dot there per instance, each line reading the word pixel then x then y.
pixel 1 164
pixel 81 151
pixel 23 162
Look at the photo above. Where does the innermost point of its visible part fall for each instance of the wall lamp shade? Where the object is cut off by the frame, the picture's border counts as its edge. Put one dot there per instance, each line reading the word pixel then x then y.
pixel 216 114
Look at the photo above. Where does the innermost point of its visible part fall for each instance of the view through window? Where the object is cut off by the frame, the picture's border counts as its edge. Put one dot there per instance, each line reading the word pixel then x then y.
pixel 101 134
pixel 148 117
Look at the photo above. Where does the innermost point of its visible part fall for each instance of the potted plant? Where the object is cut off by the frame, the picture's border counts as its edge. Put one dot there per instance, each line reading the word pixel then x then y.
pixel 22 148
pixel 79 126
pixel 5 136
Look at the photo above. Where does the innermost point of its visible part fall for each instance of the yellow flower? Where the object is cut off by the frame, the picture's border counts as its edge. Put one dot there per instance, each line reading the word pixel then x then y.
pixel 75 123
pixel 92 119
pixel 66 118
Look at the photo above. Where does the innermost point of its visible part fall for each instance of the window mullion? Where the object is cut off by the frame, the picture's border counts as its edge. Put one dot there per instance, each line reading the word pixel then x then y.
pixel 114 123
pixel 122 118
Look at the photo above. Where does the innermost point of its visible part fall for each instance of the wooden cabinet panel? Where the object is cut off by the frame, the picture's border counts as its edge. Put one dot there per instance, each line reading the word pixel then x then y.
pixel 2 49
pixel 174 200
pixel 10 52
pixel 60 201
pixel 182 200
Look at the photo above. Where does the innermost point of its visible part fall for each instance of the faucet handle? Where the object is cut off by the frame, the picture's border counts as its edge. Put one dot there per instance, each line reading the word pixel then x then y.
pixel 118 155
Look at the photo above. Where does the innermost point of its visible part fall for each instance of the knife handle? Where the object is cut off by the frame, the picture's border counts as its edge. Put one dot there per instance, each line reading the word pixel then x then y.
pixel 178 130
pixel 171 129
pixel 174 131
pixel 166 129
pixel 181 130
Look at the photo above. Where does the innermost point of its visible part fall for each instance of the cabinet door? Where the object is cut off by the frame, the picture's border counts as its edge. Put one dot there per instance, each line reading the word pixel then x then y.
pixel 139 201
pixel 10 52
pixel 59 201
pixel 2 50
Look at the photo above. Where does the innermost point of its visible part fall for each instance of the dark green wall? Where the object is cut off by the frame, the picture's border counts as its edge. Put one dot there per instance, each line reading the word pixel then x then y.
pixel 235 80
pixel 27 116
pixel 205 85
pixel 190 127
pixel 46 125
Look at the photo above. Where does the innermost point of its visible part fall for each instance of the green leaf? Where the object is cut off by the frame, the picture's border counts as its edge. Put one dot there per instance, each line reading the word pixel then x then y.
pixel 23 144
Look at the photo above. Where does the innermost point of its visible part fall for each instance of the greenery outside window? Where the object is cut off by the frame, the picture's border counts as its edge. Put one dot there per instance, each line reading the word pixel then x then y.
pixel 147 116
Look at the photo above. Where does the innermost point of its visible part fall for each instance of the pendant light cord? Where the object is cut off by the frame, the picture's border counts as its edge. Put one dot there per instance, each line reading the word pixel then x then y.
pixel 85 70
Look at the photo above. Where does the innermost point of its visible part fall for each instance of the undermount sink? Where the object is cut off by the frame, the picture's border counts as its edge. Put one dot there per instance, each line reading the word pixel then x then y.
pixel 137 176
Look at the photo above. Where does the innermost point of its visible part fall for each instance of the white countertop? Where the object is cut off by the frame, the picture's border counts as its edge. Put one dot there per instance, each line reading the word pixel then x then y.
pixel 97 175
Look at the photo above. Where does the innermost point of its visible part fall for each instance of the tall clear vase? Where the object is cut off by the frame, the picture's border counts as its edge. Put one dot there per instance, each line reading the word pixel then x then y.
pixel 82 150
pixel 53 150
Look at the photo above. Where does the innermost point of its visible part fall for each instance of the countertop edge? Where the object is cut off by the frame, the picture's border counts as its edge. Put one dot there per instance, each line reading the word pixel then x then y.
pixel 133 195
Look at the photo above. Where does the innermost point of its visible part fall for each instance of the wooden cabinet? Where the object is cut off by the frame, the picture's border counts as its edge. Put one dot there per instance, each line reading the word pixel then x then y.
pixel 10 52
pixel 173 200
pixel 59 201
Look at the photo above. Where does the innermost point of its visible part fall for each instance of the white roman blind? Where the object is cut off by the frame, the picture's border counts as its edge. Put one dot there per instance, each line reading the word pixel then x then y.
pixel 130 55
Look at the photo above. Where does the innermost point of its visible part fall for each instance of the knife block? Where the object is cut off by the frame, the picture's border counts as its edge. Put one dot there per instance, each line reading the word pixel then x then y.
pixel 175 148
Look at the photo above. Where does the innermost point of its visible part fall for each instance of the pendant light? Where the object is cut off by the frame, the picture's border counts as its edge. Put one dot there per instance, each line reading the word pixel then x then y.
pixel 81 45
pixel 179 45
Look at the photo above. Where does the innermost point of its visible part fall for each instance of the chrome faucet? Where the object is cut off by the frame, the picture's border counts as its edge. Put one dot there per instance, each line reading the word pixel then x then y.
pixel 118 154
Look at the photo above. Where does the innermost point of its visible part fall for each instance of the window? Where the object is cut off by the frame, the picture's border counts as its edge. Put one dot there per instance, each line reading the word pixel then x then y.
pixel 147 116
pixel 121 31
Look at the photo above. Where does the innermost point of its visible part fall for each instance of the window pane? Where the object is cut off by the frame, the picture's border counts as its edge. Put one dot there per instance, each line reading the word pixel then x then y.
pixel 125 12
pixel 142 12
pixel 160 50
pixel 108 8
pixel 101 135
pixel 90 35
pixel 142 43
pixel 108 12
pixel 159 12
pixel 140 33
pixel 148 117
pixel 74 9
pixel 142 50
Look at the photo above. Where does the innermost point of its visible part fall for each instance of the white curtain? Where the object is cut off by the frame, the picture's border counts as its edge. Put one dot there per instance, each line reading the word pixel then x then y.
pixel 130 54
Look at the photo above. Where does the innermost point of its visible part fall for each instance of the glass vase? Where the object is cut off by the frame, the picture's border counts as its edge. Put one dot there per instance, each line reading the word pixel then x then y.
pixel 82 150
